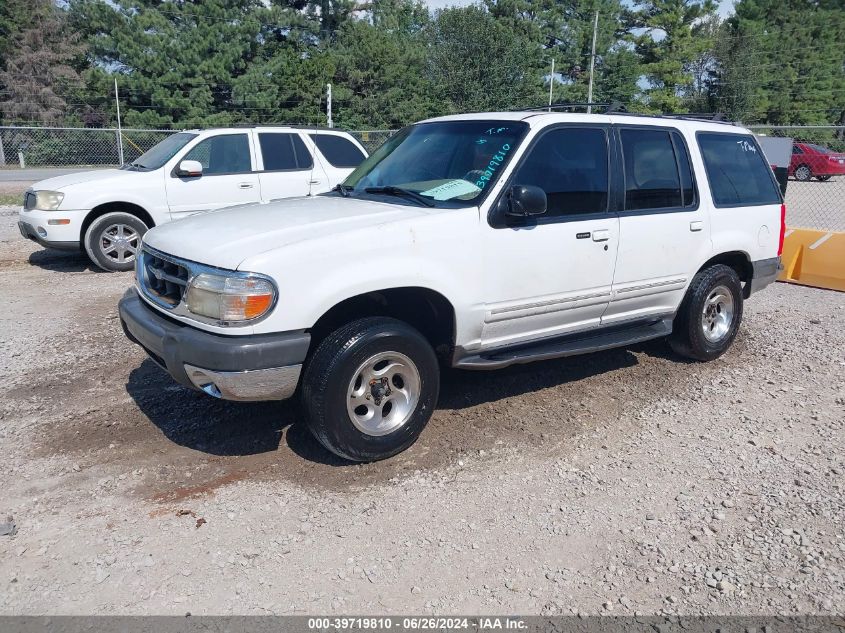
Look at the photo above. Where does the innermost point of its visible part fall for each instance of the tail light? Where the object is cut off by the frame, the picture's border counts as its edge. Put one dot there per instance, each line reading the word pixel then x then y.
pixel 782 228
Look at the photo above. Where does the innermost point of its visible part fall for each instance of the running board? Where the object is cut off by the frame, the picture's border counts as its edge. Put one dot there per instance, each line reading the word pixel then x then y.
pixel 571 345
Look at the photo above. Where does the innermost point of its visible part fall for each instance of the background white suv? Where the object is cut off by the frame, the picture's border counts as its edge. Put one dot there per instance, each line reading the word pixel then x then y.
pixel 477 241
pixel 105 212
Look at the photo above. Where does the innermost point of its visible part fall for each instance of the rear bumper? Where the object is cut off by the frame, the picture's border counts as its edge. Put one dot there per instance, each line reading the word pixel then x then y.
pixel 250 367
pixel 765 271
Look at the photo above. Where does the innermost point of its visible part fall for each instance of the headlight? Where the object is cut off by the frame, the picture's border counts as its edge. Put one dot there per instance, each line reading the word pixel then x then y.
pixel 48 200
pixel 230 298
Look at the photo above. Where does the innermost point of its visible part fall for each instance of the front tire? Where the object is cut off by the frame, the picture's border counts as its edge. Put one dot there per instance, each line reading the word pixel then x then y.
pixel 803 173
pixel 113 239
pixel 370 389
pixel 823 178
pixel 709 317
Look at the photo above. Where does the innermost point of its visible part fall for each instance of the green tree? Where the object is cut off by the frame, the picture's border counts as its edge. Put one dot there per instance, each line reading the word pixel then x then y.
pixel 175 61
pixel 478 63
pixel 670 36
pixel 797 74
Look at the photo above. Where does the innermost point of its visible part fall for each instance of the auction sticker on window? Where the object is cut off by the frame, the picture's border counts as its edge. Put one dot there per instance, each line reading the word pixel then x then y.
pixel 452 189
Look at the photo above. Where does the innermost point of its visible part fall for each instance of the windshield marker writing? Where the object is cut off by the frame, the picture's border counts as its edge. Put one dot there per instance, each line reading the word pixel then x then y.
pixel 492 166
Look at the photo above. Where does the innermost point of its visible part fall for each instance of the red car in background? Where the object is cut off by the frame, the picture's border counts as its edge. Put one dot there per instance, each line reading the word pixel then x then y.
pixel 814 161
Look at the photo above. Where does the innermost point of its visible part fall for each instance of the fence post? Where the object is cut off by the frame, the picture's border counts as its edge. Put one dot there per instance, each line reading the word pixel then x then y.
pixel 2 151
pixel 21 160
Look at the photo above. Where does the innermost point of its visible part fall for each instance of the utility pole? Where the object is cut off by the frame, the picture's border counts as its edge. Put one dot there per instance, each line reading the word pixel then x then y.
pixel 592 64
pixel 329 105
pixel 119 130
pixel 551 83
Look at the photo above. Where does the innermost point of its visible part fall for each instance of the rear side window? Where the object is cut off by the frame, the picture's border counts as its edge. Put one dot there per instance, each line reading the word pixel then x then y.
pixel 283 151
pixel 570 165
pixel 737 170
pixel 339 151
pixel 657 170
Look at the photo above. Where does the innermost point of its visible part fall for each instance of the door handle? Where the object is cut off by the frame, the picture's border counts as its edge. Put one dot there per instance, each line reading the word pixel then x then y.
pixel 313 182
pixel 245 185
pixel 602 235
pixel 696 226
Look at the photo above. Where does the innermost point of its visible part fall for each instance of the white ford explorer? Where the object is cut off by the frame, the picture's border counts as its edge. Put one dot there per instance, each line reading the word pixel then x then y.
pixel 106 212
pixel 476 240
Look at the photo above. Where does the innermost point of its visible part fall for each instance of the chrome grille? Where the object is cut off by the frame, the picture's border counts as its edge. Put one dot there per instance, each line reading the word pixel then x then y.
pixel 163 278
pixel 29 200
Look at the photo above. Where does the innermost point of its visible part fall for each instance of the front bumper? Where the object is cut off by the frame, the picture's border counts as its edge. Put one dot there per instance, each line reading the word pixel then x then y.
pixel 250 367
pixel 765 271
pixel 35 225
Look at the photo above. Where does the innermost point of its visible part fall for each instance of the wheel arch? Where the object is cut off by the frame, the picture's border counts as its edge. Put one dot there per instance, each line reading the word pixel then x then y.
pixel 110 207
pixel 740 262
pixel 425 309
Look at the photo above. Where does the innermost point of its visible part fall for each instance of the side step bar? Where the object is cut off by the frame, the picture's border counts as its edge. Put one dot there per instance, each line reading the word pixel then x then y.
pixel 571 345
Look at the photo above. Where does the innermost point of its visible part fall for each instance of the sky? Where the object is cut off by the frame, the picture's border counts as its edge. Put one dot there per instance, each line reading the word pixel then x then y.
pixel 725 6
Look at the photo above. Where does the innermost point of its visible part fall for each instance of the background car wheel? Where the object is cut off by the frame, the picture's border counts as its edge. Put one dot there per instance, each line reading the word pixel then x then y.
pixel 823 178
pixel 708 320
pixel 803 173
pixel 370 389
pixel 112 240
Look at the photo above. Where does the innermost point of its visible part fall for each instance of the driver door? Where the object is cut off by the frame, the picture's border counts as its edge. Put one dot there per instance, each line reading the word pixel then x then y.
pixel 552 274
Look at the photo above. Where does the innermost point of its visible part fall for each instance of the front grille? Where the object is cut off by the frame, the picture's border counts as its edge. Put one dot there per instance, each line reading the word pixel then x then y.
pixel 29 200
pixel 163 278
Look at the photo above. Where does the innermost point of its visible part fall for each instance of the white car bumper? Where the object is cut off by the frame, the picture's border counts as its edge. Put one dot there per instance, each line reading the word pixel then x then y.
pixel 53 229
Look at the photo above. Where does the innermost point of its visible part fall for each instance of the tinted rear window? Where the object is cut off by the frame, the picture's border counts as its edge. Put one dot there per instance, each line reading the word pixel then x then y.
pixel 283 151
pixel 339 151
pixel 737 170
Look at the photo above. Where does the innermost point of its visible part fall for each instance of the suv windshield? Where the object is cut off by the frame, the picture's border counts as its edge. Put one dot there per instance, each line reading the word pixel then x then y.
pixel 451 162
pixel 161 152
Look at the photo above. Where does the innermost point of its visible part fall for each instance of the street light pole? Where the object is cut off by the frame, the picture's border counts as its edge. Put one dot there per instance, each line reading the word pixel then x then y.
pixel 592 64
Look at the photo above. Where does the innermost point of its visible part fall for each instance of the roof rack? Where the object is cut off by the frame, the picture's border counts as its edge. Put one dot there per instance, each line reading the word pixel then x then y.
pixel 614 106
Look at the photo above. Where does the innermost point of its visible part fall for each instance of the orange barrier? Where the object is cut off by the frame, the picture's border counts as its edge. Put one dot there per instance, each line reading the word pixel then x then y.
pixel 814 258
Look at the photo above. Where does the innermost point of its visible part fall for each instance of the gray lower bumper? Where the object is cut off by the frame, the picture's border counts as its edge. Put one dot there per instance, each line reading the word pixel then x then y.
pixel 765 272
pixel 30 233
pixel 252 367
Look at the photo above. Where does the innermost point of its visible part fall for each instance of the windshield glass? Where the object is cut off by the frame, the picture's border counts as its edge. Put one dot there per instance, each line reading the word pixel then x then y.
pixel 448 162
pixel 162 152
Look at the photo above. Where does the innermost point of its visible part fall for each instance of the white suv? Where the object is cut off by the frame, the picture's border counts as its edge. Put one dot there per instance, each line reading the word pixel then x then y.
pixel 477 240
pixel 105 212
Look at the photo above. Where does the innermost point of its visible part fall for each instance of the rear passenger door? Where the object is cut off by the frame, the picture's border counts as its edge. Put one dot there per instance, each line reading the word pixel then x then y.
pixel 286 166
pixel 340 156
pixel 664 230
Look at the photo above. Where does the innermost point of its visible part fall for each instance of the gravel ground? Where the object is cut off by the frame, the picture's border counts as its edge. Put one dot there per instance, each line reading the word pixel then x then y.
pixel 626 481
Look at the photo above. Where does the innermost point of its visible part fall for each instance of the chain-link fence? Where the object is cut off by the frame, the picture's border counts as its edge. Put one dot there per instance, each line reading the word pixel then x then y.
pixel 66 147
pixel 73 147
pixel 815 195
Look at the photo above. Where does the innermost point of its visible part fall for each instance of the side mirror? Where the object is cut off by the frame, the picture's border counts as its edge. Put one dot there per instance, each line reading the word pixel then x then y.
pixel 189 169
pixel 525 201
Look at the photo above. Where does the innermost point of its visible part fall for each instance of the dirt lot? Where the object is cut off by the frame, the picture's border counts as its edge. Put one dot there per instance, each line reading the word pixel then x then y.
pixel 623 482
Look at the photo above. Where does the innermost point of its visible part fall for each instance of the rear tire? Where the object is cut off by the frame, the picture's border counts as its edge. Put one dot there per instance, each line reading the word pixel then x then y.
pixel 709 317
pixel 113 239
pixel 370 388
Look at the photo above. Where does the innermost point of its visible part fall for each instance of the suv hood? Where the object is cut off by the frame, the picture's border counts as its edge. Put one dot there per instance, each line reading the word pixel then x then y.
pixel 227 237
pixel 57 183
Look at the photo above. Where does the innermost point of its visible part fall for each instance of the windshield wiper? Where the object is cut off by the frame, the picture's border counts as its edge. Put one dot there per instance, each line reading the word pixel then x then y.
pixel 138 165
pixel 343 189
pixel 399 191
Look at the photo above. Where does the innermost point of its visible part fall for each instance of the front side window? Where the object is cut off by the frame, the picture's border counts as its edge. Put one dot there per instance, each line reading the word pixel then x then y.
pixel 225 154
pixel 339 151
pixel 570 165
pixel 162 152
pixel 653 171
pixel 447 162
pixel 737 170
pixel 283 151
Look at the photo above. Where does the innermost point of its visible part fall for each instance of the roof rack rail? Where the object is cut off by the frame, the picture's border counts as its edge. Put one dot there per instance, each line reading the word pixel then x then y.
pixel 704 116
pixel 614 106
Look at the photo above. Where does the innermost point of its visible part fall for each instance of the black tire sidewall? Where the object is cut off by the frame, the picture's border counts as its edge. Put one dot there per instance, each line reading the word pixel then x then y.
pixel 696 343
pixel 92 238
pixel 328 417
